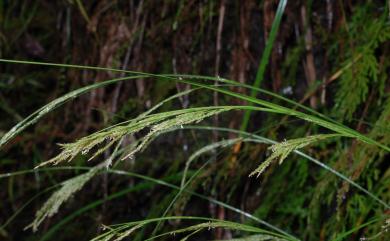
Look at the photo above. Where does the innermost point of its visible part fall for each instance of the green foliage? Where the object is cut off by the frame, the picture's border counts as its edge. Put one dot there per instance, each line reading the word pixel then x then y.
pixel 363 41
pixel 343 196
pixel 164 121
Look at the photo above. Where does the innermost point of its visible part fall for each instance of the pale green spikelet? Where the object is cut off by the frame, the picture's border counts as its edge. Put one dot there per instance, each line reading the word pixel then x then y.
pixel 69 187
pixel 158 123
pixel 177 121
pixel 281 150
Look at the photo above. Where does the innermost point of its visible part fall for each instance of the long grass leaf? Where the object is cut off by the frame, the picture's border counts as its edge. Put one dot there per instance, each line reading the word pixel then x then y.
pixel 265 57
pixel 34 117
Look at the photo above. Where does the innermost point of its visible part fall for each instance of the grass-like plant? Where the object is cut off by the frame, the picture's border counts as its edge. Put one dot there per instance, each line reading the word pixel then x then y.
pixel 161 122
pixel 155 123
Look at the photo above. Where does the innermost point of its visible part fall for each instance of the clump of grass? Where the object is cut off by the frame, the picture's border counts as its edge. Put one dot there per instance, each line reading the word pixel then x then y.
pixel 161 122
pixel 347 103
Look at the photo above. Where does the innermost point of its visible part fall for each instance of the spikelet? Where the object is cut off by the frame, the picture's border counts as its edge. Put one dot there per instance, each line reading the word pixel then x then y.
pixel 178 121
pixel 158 124
pixel 283 149
pixel 69 187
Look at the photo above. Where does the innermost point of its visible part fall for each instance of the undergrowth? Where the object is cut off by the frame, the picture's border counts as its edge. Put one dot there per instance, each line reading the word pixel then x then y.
pixel 303 173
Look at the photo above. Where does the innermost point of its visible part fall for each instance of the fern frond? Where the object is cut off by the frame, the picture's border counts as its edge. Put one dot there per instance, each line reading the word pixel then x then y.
pixel 355 82
pixel 354 85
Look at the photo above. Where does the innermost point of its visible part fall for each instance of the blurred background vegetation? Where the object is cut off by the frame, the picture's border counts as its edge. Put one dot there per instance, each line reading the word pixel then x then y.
pixel 328 55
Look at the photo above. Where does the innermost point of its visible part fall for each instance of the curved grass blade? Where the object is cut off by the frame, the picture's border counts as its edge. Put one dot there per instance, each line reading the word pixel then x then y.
pixel 332 125
pixel 211 224
pixel 128 228
pixel 344 235
pixel 34 117
pixel 310 118
pixel 171 77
